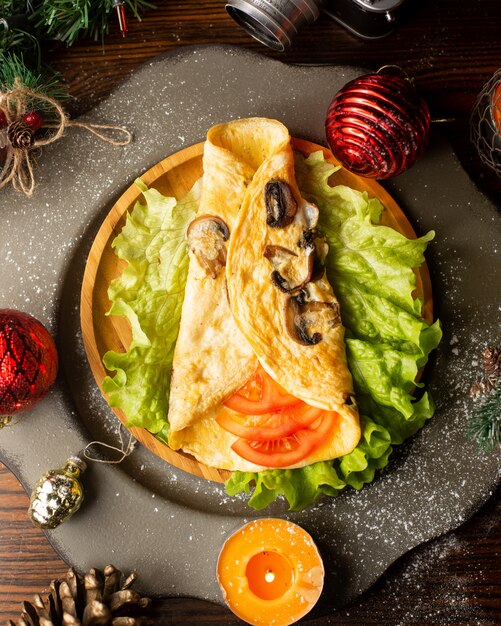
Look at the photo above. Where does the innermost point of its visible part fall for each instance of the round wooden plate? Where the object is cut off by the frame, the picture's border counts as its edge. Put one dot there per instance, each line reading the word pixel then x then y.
pixel 174 176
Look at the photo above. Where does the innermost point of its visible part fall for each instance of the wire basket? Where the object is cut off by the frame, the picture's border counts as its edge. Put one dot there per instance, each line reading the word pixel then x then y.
pixel 485 123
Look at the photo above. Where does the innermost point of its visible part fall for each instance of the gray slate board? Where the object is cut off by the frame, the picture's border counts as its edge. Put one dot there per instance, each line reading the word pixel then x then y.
pixel 169 525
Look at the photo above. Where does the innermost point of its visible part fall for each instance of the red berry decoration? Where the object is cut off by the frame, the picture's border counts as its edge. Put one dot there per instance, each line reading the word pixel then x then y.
pixel 378 125
pixel 28 361
pixel 33 119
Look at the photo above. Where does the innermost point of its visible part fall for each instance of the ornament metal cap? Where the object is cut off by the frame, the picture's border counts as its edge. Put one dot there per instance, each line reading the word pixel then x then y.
pixel 78 461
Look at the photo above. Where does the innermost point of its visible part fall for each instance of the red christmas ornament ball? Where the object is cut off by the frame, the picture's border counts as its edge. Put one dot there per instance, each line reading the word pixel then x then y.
pixel 378 125
pixel 33 119
pixel 28 361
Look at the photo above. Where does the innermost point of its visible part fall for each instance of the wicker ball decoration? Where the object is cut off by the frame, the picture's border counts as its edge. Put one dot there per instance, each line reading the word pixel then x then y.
pixel 485 123
pixel 378 125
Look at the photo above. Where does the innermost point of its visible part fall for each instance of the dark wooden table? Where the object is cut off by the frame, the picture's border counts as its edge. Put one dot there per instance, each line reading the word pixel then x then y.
pixel 451 49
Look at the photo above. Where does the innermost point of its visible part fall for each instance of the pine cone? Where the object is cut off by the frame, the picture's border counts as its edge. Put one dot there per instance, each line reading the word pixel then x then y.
pixel 96 599
pixel 481 387
pixel 491 377
pixel 491 357
pixel 20 135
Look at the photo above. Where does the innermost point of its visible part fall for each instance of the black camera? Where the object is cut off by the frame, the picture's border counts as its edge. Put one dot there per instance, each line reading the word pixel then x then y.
pixel 369 19
pixel 275 22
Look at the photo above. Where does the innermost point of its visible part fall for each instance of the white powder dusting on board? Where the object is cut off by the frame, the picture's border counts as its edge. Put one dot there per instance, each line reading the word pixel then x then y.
pixel 439 603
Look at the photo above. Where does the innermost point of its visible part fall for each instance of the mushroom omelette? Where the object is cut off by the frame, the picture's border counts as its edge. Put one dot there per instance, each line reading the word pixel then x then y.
pixel 260 378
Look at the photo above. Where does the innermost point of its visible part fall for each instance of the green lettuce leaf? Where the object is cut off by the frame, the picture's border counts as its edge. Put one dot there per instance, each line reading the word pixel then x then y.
pixel 149 293
pixel 301 487
pixel 371 454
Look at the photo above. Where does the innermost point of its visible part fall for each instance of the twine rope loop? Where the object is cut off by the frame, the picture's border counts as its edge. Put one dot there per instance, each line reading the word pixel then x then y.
pixel 124 449
pixel 18 162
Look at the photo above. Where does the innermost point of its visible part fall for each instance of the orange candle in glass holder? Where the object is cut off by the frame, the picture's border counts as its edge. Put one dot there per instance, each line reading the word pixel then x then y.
pixel 271 572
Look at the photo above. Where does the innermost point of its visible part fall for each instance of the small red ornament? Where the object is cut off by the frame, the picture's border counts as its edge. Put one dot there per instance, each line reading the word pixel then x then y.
pixel 378 125
pixel 3 119
pixel 33 119
pixel 28 361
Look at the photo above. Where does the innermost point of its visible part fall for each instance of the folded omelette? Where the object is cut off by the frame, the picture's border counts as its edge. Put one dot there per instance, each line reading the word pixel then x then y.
pixel 258 304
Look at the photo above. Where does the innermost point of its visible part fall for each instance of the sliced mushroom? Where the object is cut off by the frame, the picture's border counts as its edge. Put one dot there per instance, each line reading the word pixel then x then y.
pixel 206 236
pixel 318 269
pixel 290 271
pixel 306 321
pixel 307 238
pixel 311 240
pixel 281 206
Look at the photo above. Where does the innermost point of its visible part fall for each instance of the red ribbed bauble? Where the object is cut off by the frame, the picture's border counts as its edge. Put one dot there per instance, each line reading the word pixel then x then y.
pixel 28 361
pixel 378 125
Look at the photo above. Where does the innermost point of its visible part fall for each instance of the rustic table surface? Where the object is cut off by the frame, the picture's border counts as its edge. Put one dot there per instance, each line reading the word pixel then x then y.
pixel 451 49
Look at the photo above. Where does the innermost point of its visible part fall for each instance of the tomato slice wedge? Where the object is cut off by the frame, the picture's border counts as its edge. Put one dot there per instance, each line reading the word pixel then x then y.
pixel 260 395
pixel 288 450
pixel 269 426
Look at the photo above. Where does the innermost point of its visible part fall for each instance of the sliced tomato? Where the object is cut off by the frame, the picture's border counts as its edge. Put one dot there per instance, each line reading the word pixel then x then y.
pixel 260 395
pixel 269 426
pixel 288 450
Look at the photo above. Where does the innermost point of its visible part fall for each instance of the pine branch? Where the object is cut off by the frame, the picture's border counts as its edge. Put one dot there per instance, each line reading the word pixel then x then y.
pixel 12 66
pixel 20 42
pixel 63 20
pixel 12 7
pixel 484 426
pixel 67 20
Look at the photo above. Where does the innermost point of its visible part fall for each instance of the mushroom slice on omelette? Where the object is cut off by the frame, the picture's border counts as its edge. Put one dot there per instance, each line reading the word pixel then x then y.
pixel 259 318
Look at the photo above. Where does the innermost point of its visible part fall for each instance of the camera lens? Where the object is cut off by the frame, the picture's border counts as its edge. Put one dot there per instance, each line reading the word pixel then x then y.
pixel 273 22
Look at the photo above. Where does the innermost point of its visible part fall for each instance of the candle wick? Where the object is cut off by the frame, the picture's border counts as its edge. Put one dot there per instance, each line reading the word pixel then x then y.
pixel 269 576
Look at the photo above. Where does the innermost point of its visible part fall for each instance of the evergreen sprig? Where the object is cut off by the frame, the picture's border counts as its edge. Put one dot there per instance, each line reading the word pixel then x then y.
pixel 16 33
pixel 484 426
pixel 62 20
pixel 21 42
pixel 12 7
pixel 12 66
pixel 67 20
pixel 24 24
